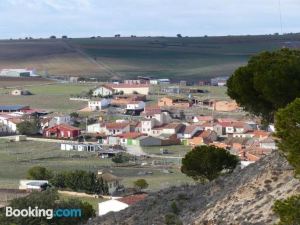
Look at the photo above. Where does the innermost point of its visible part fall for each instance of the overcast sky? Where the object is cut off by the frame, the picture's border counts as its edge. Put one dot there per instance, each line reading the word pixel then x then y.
pixel 82 18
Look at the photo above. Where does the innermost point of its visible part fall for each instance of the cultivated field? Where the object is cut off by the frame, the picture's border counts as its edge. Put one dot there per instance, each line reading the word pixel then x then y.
pixel 16 158
pixel 178 58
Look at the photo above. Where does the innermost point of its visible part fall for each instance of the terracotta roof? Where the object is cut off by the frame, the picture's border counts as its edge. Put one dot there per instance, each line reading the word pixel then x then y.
pixel 151 110
pixel 115 125
pixel 16 120
pixel 227 120
pixel 130 135
pixel 63 126
pixel 205 133
pixel 132 199
pixel 108 177
pixel 128 85
pixel 106 86
pixel 205 118
pixel 189 129
pixel 261 133
pixel 172 126
pixel 207 124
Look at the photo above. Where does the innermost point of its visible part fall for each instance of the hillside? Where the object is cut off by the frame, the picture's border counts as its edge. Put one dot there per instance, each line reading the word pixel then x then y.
pixel 244 197
pixel 191 58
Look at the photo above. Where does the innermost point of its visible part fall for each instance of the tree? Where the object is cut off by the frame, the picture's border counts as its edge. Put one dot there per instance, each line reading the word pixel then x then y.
pixel 288 210
pixel 141 184
pixel 39 173
pixel 121 158
pixel 270 81
pixel 288 130
pixel 48 200
pixel 28 127
pixel 208 162
pixel 179 35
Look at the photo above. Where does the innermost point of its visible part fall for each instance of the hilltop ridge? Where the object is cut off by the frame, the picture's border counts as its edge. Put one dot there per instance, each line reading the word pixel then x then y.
pixel 244 197
pixel 187 58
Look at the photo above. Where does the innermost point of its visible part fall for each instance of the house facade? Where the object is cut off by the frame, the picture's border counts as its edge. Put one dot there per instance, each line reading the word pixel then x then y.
pixel 96 105
pixel 62 131
pixel 103 91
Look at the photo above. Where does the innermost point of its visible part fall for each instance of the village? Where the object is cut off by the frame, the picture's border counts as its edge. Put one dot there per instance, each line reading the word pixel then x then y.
pixel 154 122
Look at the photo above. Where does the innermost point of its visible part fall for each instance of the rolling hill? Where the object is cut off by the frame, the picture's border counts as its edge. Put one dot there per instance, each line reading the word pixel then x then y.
pixel 189 58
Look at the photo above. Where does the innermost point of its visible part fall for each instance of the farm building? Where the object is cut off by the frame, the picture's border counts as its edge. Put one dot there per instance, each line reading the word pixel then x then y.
pixel 226 106
pixel 12 108
pixel 123 100
pixel 18 92
pixel 17 73
pixel 174 102
pixel 33 185
pixel 62 131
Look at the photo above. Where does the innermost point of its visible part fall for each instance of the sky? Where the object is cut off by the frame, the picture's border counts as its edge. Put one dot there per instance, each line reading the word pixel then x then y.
pixel 85 18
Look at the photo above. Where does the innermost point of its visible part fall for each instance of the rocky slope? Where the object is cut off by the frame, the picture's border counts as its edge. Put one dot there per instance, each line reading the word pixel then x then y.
pixel 244 197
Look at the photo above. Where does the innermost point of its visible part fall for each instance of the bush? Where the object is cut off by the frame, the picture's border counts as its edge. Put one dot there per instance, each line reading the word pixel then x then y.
pixel 121 158
pixel 48 200
pixel 172 219
pixel 288 210
pixel 141 184
pixel 39 173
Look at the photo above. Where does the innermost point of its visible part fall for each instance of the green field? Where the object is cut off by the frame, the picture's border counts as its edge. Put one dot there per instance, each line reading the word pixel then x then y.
pixel 53 97
pixel 16 158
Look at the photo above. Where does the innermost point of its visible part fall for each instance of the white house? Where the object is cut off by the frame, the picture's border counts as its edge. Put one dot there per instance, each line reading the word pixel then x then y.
pixel 189 131
pixel 136 105
pixel 96 105
pixel 113 182
pixel 33 184
pixel 9 123
pixel 268 143
pixel 56 119
pixel 95 128
pixel 117 128
pixel 103 91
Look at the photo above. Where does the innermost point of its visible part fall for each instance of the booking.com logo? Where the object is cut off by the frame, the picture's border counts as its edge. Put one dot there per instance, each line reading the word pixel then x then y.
pixel 47 213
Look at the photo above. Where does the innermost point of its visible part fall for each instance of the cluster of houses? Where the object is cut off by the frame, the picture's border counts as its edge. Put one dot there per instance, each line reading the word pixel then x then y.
pixel 155 124
pixel 132 97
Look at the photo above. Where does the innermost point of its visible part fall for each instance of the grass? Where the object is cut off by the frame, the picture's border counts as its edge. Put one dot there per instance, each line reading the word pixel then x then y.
pixel 53 97
pixel 175 150
pixel 92 201
pixel 16 158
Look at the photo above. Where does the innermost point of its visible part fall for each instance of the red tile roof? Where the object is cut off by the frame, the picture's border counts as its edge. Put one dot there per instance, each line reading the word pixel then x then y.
pixel 130 135
pixel 133 199
pixel 127 85
pixel 115 125
pixel 64 127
